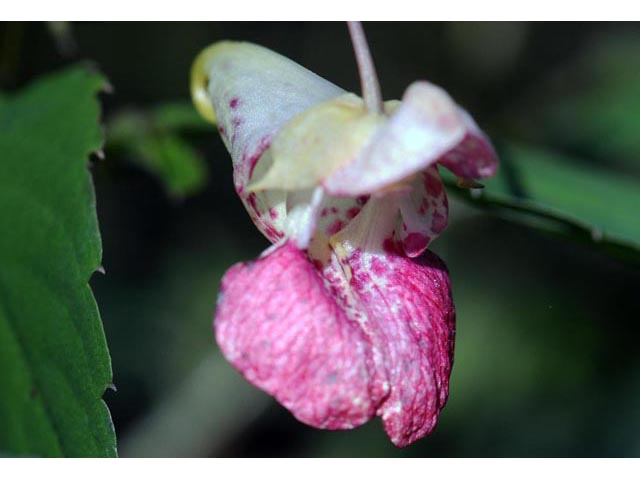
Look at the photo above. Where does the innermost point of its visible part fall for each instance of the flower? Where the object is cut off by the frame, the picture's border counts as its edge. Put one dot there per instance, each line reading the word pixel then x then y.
pixel 346 316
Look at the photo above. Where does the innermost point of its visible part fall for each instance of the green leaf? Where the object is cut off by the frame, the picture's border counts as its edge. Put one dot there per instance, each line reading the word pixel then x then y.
pixel 591 104
pixel 180 116
pixel 151 141
pixel 174 161
pixel 53 353
pixel 559 194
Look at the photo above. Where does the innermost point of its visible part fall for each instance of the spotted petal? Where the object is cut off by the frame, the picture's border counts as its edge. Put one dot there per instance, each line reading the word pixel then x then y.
pixel 424 212
pixel 281 327
pixel 411 318
pixel 474 156
pixel 254 92
pixel 371 333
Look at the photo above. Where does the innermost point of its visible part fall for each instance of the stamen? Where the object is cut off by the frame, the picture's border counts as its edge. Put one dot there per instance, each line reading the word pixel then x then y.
pixel 367 70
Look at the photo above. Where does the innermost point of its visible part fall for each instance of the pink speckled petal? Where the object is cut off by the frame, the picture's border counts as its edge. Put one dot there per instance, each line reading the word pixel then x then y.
pixel 425 126
pixel 424 212
pixel 281 326
pixel 336 348
pixel 411 319
pixel 314 216
pixel 254 92
pixel 474 157
pixel 336 213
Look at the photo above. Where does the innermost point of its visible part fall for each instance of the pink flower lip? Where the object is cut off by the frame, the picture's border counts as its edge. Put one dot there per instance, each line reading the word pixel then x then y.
pixel 337 352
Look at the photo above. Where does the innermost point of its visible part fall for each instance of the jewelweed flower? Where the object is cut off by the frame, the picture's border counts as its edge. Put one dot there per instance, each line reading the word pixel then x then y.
pixel 346 316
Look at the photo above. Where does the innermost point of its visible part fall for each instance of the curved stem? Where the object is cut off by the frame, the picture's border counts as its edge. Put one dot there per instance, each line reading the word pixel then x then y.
pixel 366 68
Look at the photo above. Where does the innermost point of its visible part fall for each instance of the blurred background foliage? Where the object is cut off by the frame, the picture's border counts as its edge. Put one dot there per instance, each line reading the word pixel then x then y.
pixel 544 262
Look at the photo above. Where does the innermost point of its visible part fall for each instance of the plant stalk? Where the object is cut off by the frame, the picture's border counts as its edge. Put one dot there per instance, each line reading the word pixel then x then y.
pixel 367 70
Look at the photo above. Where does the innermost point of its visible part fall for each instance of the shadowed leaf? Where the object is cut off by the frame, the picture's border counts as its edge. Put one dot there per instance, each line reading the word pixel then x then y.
pixel 152 142
pixel 559 194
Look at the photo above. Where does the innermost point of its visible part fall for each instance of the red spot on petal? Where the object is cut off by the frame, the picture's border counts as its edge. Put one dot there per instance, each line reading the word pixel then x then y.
pixel 389 246
pixel 432 185
pixel 379 267
pixel 263 145
pixel 271 232
pixel 415 243
pixel 473 157
pixel 361 200
pixel 439 222
pixel 252 201
pixel 352 212
pixel 335 227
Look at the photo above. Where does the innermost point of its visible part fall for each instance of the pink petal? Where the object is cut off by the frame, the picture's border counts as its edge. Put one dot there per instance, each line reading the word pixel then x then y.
pixel 336 351
pixel 413 319
pixel 474 157
pixel 424 212
pixel 281 326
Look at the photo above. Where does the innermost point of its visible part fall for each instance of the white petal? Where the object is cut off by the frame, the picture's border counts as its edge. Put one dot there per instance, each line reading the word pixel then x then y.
pixel 254 92
pixel 425 126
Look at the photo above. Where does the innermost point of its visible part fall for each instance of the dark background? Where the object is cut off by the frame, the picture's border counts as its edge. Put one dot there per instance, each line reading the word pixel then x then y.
pixel 547 357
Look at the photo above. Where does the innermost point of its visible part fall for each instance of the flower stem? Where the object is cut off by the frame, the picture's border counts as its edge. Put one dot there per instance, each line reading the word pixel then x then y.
pixel 366 68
